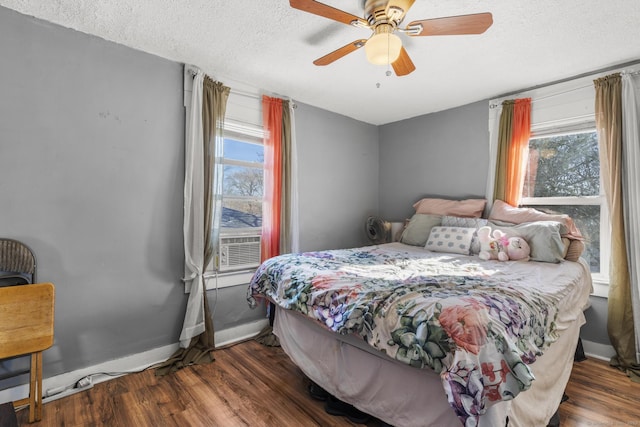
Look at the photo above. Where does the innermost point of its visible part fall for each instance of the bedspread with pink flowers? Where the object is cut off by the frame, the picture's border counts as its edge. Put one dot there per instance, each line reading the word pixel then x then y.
pixel 478 330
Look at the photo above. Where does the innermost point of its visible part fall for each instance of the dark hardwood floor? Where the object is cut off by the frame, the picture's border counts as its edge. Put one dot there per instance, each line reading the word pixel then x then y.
pixel 236 390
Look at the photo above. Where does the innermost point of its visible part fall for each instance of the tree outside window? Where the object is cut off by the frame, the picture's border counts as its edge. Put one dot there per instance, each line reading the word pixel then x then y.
pixel 563 176
pixel 243 186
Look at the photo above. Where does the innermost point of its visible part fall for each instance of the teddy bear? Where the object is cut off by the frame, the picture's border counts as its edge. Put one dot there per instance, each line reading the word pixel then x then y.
pixel 518 249
pixel 498 246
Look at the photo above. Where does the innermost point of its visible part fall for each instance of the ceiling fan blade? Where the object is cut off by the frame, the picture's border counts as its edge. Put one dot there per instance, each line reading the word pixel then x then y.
pixel 403 65
pixel 324 10
pixel 394 6
pixel 339 53
pixel 453 25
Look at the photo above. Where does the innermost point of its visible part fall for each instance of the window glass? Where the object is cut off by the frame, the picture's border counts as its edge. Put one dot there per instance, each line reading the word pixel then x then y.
pixel 242 186
pixel 563 177
pixel 241 150
pixel 563 166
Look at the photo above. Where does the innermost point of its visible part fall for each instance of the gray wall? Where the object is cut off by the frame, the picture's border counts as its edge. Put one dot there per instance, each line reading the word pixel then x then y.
pixel 338 178
pixel 229 308
pixel 91 175
pixel 447 153
pixel 91 171
pixel 595 329
pixel 440 154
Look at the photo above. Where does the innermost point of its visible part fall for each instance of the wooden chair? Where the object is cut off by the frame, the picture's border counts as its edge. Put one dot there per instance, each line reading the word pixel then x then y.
pixel 26 327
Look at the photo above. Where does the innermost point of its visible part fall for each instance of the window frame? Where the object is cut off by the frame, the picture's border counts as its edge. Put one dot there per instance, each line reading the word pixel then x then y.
pixel 251 134
pixel 600 279
pixel 556 105
pixel 248 133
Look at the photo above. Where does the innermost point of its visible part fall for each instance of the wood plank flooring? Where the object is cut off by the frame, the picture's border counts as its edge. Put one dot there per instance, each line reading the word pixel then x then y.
pixel 236 390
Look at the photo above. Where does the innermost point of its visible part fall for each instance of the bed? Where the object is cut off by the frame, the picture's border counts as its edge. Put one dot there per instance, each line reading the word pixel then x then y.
pixel 417 337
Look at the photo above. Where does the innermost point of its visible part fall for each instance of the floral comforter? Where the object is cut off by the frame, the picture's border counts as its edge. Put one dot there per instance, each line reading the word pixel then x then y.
pixel 478 330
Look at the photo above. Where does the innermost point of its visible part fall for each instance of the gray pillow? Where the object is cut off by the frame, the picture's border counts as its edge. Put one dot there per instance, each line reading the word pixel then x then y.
pixel 543 238
pixel 419 228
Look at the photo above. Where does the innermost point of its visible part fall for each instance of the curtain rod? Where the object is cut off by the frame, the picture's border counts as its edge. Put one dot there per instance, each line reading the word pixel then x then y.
pixel 613 69
pixel 193 71
pixel 550 95
pixel 622 73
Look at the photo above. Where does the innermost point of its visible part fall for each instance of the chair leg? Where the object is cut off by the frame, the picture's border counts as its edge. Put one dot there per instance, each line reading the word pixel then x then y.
pixel 38 394
pixel 35 388
pixel 32 388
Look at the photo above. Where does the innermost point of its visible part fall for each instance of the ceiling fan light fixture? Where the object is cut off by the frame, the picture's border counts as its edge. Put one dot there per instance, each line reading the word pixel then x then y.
pixel 383 47
pixel 384 18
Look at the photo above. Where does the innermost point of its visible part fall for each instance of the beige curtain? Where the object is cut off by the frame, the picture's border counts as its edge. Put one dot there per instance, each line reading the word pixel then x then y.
pixel 214 108
pixel 204 195
pixel 504 137
pixel 608 111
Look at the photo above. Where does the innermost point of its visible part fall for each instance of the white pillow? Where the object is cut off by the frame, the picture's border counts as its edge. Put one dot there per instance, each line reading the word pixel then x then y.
pixel 456 240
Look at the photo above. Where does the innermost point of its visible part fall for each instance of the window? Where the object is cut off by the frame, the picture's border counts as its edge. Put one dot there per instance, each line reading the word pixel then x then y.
pixel 561 114
pixel 243 181
pixel 242 191
pixel 563 176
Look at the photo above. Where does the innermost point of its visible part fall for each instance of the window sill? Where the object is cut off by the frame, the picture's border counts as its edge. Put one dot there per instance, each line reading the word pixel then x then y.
pixel 600 287
pixel 216 280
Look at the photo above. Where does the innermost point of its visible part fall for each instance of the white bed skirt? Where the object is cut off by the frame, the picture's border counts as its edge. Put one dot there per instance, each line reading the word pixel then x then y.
pixel 408 397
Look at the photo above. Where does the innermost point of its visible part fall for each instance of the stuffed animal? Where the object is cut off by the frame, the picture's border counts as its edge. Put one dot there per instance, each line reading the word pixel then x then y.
pixel 491 245
pixel 518 249
pixel 498 246
pixel 487 249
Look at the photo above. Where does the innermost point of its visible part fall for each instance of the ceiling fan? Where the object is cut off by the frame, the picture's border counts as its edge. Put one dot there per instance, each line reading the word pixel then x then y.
pixel 384 17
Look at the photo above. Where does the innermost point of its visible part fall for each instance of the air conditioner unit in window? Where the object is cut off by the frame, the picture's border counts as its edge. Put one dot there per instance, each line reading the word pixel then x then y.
pixel 238 252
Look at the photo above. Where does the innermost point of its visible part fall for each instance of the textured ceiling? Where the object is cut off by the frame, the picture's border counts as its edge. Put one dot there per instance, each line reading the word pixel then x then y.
pixel 270 46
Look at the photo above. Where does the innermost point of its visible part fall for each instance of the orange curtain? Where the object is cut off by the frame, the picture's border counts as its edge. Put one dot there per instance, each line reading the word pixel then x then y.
pixel 271 206
pixel 518 151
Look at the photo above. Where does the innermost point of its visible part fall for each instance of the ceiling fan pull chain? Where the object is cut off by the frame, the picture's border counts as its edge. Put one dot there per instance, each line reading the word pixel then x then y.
pixel 388 72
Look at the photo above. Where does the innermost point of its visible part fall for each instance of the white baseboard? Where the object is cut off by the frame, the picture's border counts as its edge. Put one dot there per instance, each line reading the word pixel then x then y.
pixel 597 350
pixel 240 332
pixel 62 385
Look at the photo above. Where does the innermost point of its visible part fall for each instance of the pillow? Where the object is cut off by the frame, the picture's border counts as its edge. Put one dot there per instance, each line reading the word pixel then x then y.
pixel 455 240
pixel 456 221
pixel 417 231
pixel 576 247
pixel 505 212
pixel 566 243
pixel 543 237
pixel 469 208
